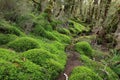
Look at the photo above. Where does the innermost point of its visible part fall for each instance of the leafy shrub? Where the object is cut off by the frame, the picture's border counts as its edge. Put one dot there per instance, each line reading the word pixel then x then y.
pixel 103 71
pixel 5 38
pixel 84 48
pixel 84 73
pixel 23 44
pixel 7 28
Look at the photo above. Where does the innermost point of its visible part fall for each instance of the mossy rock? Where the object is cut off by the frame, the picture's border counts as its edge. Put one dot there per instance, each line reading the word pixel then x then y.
pixel 7 28
pixel 84 73
pixel 5 38
pixel 84 47
pixel 23 44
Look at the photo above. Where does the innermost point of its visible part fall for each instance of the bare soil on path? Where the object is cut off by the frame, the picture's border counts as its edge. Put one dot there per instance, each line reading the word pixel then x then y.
pixel 73 60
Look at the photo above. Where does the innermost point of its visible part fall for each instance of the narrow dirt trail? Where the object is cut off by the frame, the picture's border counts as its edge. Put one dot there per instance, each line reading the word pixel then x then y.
pixel 73 60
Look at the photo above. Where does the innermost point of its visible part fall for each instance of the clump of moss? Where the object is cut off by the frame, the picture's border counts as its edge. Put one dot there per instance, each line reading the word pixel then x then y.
pixel 84 47
pixel 84 73
pixel 5 38
pixel 13 67
pixel 38 56
pixel 7 54
pixel 57 49
pixel 40 31
pixel 23 44
pixel 45 59
pixel 21 70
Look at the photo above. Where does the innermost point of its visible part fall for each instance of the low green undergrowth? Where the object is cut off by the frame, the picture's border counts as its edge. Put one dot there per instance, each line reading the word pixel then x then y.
pixel 84 47
pixel 23 44
pixel 7 28
pixel 45 59
pixel 6 38
pixel 13 67
pixel 103 70
pixel 84 73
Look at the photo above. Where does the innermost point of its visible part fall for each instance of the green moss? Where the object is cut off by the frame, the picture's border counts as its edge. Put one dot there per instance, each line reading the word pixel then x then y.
pixel 84 48
pixel 20 70
pixel 38 56
pixel 45 59
pixel 40 31
pixel 57 49
pixel 61 37
pixel 23 44
pixel 54 68
pixel 84 73
pixel 13 67
pixel 7 28
pixel 5 38
pixel 78 27
pixel 7 70
pixel 8 55
pixel 104 71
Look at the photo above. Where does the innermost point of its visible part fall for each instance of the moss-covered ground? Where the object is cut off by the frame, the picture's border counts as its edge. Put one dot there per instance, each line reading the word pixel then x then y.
pixel 42 55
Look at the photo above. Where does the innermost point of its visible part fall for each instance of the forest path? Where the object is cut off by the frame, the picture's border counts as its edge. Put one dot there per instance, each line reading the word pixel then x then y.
pixel 73 60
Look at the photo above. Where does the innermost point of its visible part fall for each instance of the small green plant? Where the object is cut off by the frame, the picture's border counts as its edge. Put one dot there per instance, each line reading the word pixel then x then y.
pixel 84 47
pixel 84 73
pixel 23 44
